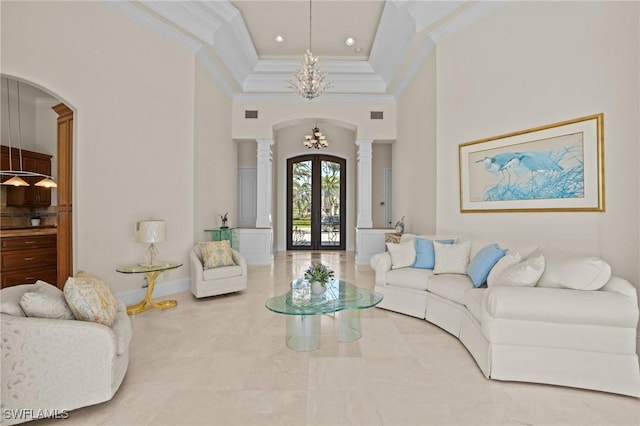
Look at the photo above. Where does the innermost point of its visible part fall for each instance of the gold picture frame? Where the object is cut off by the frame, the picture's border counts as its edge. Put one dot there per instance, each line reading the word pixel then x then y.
pixel 553 168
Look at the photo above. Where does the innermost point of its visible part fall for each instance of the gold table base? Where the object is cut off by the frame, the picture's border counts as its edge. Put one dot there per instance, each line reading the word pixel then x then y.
pixel 148 303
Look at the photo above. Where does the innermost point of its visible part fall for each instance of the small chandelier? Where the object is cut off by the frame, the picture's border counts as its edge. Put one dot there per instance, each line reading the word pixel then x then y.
pixel 308 80
pixel 316 139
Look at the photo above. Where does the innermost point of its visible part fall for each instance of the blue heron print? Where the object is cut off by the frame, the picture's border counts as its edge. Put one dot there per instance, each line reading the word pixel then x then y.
pixel 546 169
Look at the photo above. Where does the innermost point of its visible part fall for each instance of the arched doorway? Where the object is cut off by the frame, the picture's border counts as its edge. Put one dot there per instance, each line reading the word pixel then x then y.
pixel 316 202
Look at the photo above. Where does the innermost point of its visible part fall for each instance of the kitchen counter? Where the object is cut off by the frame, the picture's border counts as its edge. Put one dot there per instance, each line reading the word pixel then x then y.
pixel 27 231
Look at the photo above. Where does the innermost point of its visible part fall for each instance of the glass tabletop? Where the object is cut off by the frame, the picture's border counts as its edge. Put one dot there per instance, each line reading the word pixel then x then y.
pixel 339 295
pixel 140 268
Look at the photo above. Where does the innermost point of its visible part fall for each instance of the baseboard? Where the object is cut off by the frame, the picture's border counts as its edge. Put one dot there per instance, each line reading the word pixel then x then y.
pixel 166 288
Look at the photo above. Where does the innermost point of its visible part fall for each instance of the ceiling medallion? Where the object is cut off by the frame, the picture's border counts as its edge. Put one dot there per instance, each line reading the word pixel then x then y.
pixel 308 80
pixel 315 140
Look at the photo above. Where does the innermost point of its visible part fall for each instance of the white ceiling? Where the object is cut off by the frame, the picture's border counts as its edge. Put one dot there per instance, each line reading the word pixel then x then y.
pixel 332 22
pixel 234 40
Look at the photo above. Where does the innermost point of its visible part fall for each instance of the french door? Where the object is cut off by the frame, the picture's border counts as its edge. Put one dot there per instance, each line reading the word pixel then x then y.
pixel 316 207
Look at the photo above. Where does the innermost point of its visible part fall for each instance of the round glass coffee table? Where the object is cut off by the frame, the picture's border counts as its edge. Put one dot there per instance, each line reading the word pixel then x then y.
pixel 303 311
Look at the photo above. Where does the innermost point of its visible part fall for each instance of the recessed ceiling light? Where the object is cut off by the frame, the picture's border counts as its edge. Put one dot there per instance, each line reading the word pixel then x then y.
pixel 279 39
pixel 350 41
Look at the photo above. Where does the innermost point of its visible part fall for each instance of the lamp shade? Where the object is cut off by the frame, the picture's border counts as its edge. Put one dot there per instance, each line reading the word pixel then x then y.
pixel 151 231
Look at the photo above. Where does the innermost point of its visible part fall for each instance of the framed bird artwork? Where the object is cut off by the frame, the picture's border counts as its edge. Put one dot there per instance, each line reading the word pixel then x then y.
pixel 558 167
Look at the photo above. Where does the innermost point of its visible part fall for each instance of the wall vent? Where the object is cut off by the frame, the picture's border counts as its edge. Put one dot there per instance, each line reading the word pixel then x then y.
pixel 250 114
pixel 377 115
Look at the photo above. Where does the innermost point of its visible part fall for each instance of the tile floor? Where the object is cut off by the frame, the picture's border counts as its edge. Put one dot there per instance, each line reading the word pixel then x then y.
pixel 223 361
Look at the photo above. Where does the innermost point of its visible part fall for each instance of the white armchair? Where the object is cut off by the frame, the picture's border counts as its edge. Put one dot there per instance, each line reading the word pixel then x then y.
pixel 215 281
pixel 51 365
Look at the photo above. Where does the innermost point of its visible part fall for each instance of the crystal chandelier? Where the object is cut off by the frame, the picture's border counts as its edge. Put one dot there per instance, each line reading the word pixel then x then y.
pixel 316 139
pixel 308 80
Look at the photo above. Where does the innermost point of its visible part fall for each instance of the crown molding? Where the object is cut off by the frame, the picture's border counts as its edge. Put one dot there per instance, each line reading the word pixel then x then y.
pixel 466 18
pixel 327 97
pixel 142 17
pixel 216 34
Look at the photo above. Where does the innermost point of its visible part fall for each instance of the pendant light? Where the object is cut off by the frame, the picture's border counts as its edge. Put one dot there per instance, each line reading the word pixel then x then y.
pixel 17 175
pixel 309 81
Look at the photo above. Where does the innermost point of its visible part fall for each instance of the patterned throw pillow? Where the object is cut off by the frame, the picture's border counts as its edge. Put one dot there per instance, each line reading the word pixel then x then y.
pixel 90 299
pixel 216 254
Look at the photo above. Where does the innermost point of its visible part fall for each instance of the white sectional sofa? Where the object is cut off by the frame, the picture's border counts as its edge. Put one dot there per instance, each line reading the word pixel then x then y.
pixel 544 334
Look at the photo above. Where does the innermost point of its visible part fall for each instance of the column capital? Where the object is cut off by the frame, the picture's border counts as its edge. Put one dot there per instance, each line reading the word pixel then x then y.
pixel 364 142
pixel 264 142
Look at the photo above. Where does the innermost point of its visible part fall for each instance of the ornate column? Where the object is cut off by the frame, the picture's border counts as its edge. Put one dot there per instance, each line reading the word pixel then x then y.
pixel 265 183
pixel 364 183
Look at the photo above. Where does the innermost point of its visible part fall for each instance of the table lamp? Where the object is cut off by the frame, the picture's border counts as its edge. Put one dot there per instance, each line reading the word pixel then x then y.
pixel 151 232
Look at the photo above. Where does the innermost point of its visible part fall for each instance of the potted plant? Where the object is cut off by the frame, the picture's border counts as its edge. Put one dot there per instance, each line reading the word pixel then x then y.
pixel 224 219
pixel 318 275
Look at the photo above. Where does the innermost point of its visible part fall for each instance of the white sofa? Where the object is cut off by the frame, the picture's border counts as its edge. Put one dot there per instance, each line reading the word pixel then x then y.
pixel 560 336
pixel 50 366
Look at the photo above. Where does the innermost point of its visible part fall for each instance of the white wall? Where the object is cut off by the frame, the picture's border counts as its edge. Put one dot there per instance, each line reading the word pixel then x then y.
pixel 216 157
pixel 288 109
pixel 414 153
pixel 133 96
pixel 535 63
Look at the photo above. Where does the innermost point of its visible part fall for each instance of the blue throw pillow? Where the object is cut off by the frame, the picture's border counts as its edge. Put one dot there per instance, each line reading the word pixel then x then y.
pixel 425 254
pixel 482 262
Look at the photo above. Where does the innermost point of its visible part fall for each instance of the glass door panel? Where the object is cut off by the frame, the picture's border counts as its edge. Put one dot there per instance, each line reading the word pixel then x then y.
pixel 330 235
pixel 300 205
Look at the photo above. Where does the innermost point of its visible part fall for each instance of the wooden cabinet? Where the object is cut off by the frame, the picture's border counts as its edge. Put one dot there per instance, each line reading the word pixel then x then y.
pixel 26 259
pixel 32 195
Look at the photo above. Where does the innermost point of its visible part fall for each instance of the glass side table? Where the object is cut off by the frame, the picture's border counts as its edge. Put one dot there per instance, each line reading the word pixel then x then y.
pixel 152 271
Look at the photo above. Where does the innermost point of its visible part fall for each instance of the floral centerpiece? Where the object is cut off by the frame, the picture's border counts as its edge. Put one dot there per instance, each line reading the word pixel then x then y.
pixel 318 275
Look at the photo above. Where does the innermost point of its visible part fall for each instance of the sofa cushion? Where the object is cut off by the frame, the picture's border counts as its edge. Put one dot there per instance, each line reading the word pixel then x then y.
pixel 218 273
pixel 450 286
pixel 574 272
pixel 482 262
pixel 522 274
pixel 90 299
pixel 473 301
pixel 415 278
pixel 425 253
pixel 402 255
pixel 561 306
pixel 216 254
pixel 451 258
pixel 45 301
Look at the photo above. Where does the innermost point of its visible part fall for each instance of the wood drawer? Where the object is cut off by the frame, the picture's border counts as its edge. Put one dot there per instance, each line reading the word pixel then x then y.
pixel 36 241
pixel 29 276
pixel 35 258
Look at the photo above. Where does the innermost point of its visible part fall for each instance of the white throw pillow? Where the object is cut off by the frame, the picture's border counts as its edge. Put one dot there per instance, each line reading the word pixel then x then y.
pixel 523 274
pixel 578 273
pixel 508 260
pixel 45 301
pixel 402 255
pixel 451 258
